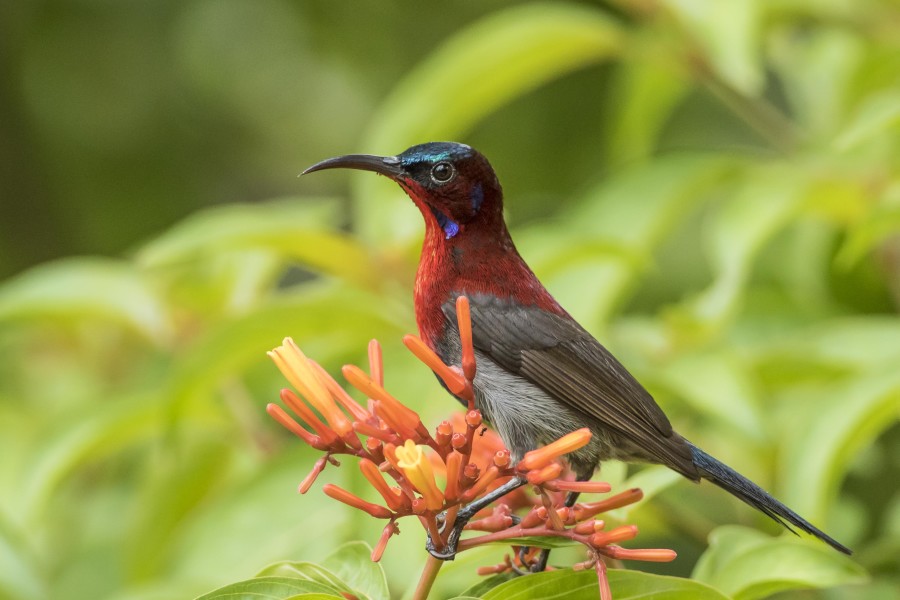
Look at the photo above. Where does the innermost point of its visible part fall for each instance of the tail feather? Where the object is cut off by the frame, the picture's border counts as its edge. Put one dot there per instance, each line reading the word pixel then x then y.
pixel 736 484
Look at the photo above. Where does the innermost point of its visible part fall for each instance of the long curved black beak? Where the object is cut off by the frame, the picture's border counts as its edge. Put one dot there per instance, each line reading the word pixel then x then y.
pixel 386 165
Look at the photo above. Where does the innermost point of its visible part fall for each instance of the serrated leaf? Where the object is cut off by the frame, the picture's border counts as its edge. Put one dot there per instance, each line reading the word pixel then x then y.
pixel 269 588
pixel 748 564
pixel 582 585
pixel 501 57
pixel 74 288
pixel 352 562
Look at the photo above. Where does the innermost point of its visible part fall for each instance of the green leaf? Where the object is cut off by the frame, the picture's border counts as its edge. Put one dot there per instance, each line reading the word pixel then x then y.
pixel 644 96
pixel 880 224
pixel 305 570
pixel 625 585
pixel 262 511
pixel 309 316
pixel 718 385
pixel 100 431
pixel 74 288
pixel 486 584
pixel 352 562
pixel 668 189
pixel 771 195
pixel 858 343
pixel 21 577
pixel 839 419
pixel 497 59
pixel 301 230
pixel 817 70
pixel 269 588
pixel 747 564
pixel 877 116
pixel 730 33
pixel 536 541
pixel 651 480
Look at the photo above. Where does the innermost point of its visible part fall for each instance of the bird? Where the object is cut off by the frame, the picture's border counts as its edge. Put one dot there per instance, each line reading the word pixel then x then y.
pixel 540 374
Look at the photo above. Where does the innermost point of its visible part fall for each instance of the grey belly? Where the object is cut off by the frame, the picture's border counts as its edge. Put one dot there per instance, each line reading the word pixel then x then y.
pixel 526 417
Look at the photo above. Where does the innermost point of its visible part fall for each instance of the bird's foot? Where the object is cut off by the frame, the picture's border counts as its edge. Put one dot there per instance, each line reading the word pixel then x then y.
pixel 540 563
pixel 448 551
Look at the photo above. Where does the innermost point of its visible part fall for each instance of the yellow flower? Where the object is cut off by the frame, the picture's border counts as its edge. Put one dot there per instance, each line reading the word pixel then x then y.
pixel 297 369
pixel 417 470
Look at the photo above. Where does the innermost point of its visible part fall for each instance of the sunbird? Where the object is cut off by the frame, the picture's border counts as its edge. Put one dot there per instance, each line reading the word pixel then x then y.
pixel 540 375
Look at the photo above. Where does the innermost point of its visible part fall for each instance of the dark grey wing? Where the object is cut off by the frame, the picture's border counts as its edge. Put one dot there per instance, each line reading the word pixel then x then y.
pixel 559 356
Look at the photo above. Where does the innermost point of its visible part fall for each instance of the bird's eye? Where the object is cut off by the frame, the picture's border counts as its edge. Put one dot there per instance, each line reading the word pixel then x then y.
pixel 443 172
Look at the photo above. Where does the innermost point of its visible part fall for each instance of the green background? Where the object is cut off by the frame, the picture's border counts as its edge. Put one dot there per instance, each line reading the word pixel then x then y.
pixel 710 187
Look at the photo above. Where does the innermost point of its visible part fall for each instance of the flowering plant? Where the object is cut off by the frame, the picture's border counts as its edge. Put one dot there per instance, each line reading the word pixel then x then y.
pixel 479 492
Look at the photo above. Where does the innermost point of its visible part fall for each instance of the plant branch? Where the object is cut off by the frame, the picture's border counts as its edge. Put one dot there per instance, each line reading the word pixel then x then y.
pixel 426 580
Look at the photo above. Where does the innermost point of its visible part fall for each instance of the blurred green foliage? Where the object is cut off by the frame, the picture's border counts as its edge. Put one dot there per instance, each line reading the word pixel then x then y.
pixel 710 187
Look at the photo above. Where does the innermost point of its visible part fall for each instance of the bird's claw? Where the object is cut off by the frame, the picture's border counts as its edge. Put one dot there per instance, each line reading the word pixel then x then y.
pixel 448 552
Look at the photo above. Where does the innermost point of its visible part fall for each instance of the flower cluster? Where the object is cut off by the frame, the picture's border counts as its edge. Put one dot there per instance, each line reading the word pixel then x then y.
pixel 390 440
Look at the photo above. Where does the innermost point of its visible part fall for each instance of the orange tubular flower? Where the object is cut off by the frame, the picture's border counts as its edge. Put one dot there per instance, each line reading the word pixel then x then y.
pixel 583 487
pixel 551 471
pixel 619 534
pixel 296 368
pixel 541 457
pixel 486 479
pixel 379 512
pixel 293 402
pixel 340 395
pixel 618 501
pixel 453 379
pixel 454 466
pixel 386 533
pixel 277 413
pixel 417 469
pixel 373 475
pixel 645 554
pixel 376 365
pixel 311 478
pixel 464 321
pixel 358 379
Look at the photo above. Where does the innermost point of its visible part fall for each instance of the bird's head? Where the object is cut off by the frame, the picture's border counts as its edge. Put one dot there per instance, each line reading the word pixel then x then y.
pixel 452 184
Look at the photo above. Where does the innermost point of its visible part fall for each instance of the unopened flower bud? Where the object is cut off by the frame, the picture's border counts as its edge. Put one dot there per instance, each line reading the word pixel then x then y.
pixel 537 459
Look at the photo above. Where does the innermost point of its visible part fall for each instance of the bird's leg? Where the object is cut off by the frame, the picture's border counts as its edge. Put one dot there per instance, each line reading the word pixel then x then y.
pixel 466 513
pixel 541 562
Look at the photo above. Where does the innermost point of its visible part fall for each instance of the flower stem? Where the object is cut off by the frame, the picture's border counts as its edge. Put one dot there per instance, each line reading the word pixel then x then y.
pixel 429 574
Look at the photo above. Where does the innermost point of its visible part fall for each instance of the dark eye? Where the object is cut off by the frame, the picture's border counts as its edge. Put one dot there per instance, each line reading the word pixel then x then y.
pixel 442 172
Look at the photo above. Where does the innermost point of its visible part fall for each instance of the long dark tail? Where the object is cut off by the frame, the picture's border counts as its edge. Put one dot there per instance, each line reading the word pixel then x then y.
pixel 736 484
